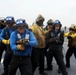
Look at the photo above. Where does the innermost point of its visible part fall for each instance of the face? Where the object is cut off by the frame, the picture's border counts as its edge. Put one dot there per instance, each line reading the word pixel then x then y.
pixel 57 27
pixel 71 31
pixel 50 26
pixel 40 22
pixel 47 27
pixel 21 29
pixel 10 25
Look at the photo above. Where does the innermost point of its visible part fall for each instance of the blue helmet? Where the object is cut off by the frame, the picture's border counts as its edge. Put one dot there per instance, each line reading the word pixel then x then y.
pixel 21 22
pixel 57 22
pixel 10 20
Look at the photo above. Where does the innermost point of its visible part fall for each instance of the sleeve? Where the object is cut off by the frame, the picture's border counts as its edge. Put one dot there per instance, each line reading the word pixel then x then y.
pixel 13 41
pixel 66 34
pixel 61 41
pixel 48 38
pixel 73 35
pixel 32 28
pixel 47 31
pixel 32 41
pixel 2 35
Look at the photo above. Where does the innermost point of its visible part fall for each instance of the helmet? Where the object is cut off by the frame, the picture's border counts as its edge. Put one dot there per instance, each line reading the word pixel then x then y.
pixel 2 20
pixel 21 22
pixel 57 22
pixel 10 20
pixel 73 27
pixel 40 18
pixel 50 22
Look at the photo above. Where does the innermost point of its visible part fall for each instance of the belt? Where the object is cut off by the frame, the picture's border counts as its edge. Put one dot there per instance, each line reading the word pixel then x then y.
pixel 21 57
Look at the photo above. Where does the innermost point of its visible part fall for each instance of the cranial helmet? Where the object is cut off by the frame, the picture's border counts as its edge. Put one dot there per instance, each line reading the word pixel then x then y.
pixel 50 22
pixel 40 18
pixel 73 27
pixel 2 20
pixel 21 22
pixel 57 22
pixel 10 20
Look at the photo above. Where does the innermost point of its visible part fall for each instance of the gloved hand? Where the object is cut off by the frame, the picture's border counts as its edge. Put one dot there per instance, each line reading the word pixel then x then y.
pixel 7 42
pixel 52 40
pixel 20 47
pixel 24 41
pixel 69 37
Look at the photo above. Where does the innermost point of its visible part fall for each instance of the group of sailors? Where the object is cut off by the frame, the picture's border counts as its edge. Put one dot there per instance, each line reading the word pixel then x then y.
pixel 36 43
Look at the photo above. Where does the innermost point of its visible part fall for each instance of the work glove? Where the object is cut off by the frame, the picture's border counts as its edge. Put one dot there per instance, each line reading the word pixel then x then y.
pixel 24 41
pixel 7 42
pixel 52 40
pixel 69 37
pixel 20 47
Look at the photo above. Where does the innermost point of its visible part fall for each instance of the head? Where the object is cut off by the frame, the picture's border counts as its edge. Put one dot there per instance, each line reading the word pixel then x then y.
pixel 10 21
pixel 2 21
pixel 21 25
pixel 72 28
pixel 50 23
pixel 40 19
pixel 57 25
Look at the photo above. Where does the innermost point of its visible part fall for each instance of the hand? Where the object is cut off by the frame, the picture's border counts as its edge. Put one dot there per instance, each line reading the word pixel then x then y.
pixel 69 37
pixel 52 40
pixel 25 41
pixel 7 42
pixel 20 47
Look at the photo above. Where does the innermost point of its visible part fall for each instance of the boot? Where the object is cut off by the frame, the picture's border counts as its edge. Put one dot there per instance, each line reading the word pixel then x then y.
pixel 49 68
pixel 43 73
pixel 59 71
pixel 67 65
